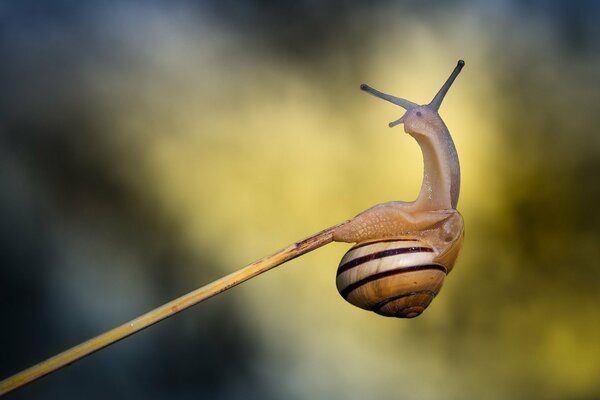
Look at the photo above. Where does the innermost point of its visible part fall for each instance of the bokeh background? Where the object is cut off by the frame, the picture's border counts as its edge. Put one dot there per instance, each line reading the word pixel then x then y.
pixel 149 147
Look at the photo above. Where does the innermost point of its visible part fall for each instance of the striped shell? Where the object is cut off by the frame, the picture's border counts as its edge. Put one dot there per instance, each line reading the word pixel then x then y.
pixel 392 277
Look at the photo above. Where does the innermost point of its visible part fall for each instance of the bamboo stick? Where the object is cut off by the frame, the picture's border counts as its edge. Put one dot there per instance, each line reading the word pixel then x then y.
pixel 166 310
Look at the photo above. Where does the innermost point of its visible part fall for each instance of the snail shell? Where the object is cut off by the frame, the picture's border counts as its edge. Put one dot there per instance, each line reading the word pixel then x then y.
pixel 396 277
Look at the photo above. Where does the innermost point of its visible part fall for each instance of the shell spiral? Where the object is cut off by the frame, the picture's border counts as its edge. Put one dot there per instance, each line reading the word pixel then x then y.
pixel 391 277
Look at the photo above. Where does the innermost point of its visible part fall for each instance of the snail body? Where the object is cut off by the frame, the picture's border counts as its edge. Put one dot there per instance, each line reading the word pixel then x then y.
pixel 405 250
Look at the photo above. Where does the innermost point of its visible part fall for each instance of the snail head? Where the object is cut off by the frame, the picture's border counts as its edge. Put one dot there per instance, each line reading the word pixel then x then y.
pixel 419 119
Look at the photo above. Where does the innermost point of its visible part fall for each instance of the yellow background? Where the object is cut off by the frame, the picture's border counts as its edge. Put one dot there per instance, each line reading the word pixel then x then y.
pixel 149 148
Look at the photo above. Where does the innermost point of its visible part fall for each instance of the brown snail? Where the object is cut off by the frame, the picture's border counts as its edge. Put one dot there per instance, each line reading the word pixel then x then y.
pixel 403 253
pixel 405 250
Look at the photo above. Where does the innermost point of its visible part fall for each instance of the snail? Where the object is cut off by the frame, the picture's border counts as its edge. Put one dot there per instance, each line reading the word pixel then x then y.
pixel 403 253
pixel 405 250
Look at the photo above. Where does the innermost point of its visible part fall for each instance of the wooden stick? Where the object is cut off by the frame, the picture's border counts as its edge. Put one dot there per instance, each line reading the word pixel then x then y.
pixel 158 314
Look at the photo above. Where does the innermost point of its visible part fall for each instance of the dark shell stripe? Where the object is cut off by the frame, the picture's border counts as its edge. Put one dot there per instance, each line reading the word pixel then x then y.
pixel 371 278
pixel 381 254
pixel 378 306
pixel 359 245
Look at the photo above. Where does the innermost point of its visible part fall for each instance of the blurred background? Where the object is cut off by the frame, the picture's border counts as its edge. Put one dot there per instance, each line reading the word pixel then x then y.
pixel 147 148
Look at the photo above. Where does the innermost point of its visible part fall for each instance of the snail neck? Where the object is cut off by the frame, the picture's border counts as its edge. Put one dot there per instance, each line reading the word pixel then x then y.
pixel 441 177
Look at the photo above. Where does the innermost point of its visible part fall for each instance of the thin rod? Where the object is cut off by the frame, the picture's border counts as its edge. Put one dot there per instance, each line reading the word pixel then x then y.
pixel 167 310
